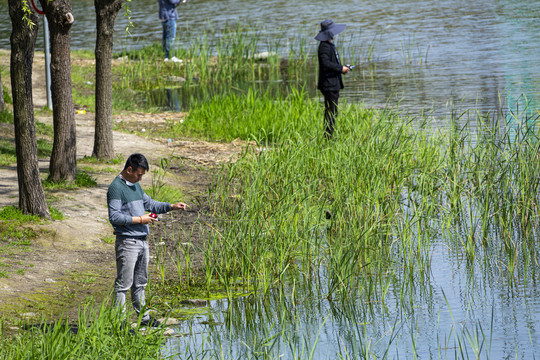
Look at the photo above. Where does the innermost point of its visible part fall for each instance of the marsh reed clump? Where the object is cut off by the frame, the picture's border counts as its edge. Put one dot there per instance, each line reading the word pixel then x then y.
pixel 391 188
pixel 348 227
pixel 213 64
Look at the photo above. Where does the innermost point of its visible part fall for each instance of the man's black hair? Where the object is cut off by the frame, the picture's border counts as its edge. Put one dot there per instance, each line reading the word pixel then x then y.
pixel 137 161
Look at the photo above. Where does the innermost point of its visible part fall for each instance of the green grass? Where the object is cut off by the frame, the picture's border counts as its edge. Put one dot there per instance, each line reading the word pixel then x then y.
pixel 160 190
pixel 166 193
pixel 6 93
pixel 393 188
pixel 6 117
pixel 100 335
pixel 110 170
pixel 7 150
pixel 7 146
pixel 152 51
pixel 84 53
pixel 117 160
pixel 7 159
pixel 253 116
pixel 83 278
pixel 82 180
pixel 44 148
pixel 285 191
pixel 83 78
pixel 109 239
pixel 12 229
pixel 56 214
pixel 213 64
pixel 86 169
pixel 11 213
pixel 44 111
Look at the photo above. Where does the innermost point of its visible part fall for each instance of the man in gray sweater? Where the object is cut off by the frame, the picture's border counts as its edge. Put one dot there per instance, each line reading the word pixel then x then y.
pixel 129 213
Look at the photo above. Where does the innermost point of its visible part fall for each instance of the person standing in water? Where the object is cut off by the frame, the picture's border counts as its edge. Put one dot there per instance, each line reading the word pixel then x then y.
pixel 330 72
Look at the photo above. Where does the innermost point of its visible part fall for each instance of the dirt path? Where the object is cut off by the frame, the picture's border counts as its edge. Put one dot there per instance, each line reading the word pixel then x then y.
pixel 71 262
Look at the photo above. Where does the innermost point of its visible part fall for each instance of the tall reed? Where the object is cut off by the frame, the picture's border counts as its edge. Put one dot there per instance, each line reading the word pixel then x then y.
pixel 355 220
pixel 390 191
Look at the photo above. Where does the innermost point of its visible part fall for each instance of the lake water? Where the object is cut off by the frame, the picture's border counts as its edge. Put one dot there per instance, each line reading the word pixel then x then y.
pixel 450 55
pixel 428 54
pixel 456 315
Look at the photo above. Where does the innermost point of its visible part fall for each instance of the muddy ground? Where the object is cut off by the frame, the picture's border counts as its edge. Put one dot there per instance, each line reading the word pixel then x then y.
pixel 71 262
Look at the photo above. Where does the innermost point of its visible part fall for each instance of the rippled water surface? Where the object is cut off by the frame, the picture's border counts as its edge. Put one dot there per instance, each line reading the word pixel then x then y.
pixel 427 54
pixel 460 313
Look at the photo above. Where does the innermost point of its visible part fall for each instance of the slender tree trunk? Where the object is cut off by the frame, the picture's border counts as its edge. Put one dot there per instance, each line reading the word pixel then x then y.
pixel 23 41
pixel 1 95
pixel 106 11
pixel 63 164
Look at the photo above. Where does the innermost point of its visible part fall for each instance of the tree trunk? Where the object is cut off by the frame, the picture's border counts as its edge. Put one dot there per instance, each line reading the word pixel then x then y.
pixel 106 11
pixel 63 164
pixel 1 95
pixel 23 41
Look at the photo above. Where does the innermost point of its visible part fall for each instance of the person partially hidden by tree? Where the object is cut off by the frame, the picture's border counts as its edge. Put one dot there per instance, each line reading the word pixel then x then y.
pixel 129 214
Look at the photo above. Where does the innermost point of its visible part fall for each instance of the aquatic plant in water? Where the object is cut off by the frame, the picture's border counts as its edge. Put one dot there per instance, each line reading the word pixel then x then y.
pixel 357 218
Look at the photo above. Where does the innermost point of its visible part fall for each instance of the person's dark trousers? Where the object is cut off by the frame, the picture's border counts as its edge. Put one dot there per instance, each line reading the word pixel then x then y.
pixel 330 111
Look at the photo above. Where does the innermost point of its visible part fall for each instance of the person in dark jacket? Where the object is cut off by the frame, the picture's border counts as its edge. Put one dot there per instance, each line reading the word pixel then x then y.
pixel 330 71
pixel 168 16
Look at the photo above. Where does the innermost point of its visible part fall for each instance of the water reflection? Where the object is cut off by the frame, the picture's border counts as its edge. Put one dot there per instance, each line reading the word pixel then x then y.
pixel 460 312
pixel 172 100
pixel 169 99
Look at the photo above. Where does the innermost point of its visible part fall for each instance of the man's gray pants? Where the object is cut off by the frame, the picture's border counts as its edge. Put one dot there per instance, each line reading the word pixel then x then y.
pixel 132 256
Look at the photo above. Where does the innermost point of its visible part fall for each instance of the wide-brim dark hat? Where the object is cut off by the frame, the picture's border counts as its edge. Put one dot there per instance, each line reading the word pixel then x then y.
pixel 329 29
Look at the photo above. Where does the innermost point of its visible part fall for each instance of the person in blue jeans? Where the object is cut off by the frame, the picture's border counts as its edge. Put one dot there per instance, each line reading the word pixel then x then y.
pixel 129 213
pixel 168 16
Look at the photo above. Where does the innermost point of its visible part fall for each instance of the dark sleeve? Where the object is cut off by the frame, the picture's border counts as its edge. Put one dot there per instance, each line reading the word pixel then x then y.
pixel 326 59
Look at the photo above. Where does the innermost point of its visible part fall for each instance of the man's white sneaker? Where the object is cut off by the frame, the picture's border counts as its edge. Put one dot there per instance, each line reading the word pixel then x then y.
pixel 175 59
pixel 166 59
